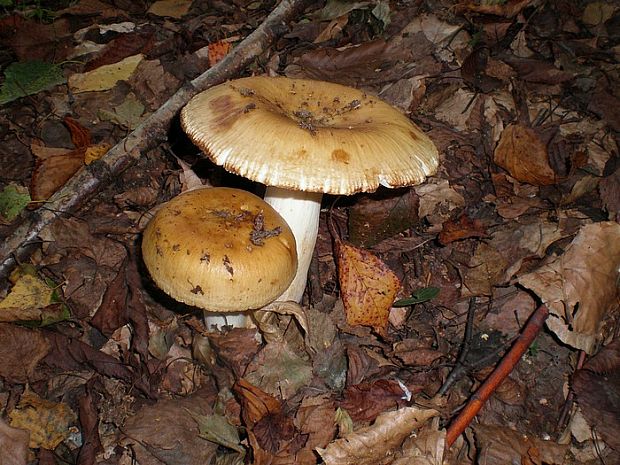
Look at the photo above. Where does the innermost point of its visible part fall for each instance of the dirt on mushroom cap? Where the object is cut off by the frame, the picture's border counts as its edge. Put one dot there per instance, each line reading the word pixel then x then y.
pixel 220 249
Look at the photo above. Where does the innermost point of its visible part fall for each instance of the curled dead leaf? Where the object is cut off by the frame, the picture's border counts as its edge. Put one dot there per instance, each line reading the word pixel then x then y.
pixel 580 286
pixel 522 153
pixel 369 445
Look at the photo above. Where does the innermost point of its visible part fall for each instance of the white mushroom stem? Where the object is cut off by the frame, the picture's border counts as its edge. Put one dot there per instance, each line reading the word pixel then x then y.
pixel 234 319
pixel 301 211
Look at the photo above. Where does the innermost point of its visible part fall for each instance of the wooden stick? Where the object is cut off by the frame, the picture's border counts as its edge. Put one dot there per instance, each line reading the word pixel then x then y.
pixel 92 178
pixel 503 369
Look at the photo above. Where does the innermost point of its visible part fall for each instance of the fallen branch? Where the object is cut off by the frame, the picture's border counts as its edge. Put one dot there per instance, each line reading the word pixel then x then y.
pixel 503 369
pixel 90 179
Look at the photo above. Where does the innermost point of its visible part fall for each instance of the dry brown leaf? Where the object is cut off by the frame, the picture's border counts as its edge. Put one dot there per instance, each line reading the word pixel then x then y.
pixel 425 448
pixel 500 445
pixel 364 402
pixel 80 136
pixel 436 197
pixel 271 433
pixel 13 444
pixel 121 47
pixel 52 173
pixel 523 154
pixel 506 9
pixel 597 387
pixel 368 287
pixel 256 403
pixel 462 228
pixel 333 29
pixel 20 352
pixel 168 429
pixel 374 218
pixel 369 445
pixel 580 286
pixel 315 417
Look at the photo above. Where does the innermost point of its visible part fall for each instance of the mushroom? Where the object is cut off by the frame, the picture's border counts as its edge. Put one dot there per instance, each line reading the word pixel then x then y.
pixel 302 139
pixel 220 249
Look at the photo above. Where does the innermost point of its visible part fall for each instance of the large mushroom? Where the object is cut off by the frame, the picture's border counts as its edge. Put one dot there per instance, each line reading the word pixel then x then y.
pixel 220 249
pixel 302 139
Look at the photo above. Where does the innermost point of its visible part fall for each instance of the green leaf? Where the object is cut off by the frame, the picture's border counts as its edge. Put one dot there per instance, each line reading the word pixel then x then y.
pixel 217 429
pixel 13 199
pixel 128 114
pixel 421 295
pixel 28 78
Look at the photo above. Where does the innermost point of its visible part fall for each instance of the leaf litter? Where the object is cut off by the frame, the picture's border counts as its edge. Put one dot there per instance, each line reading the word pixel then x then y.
pixel 520 97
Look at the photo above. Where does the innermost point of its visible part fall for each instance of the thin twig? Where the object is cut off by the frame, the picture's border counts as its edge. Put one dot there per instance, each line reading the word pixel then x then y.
pixel 460 367
pixel 90 179
pixel 503 369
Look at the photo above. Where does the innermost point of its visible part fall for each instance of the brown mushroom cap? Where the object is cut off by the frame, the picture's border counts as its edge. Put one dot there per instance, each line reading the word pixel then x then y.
pixel 308 135
pixel 220 249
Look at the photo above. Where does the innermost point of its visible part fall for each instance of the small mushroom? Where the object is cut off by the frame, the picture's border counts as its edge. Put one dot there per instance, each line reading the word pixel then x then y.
pixel 304 138
pixel 220 249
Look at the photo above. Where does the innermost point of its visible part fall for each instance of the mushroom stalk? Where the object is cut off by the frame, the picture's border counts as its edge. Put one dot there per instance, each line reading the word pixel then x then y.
pixel 301 211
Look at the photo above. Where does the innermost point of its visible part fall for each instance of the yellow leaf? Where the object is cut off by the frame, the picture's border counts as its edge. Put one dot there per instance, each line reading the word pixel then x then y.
pixel 28 292
pixel 48 422
pixel 95 152
pixel 105 77
pixel 367 286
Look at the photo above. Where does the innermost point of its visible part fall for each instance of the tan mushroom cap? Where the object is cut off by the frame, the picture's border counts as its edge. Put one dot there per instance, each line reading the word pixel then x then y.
pixel 308 135
pixel 220 249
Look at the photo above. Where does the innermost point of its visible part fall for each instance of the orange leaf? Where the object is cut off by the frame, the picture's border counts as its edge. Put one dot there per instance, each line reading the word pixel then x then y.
pixel 256 403
pixel 367 286
pixel 217 51
pixel 51 173
pixel 462 228
pixel 79 134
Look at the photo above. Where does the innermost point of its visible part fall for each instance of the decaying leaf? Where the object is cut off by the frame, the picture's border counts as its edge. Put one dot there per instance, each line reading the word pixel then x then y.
pixel 368 445
pixel 216 428
pixel 522 153
pixel 278 370
pixel 48 422
pixel 13 199
pixel 368 287
pixel 28 78
pixel 580 286
pixel 128 114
